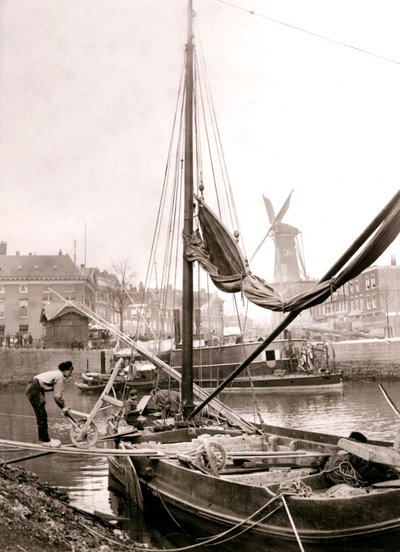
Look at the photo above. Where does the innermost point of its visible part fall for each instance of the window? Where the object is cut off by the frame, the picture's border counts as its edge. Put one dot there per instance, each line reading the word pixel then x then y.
pixel 357 286
pixel 2 289
pixel 367 283
pixel 23 308
pixel 2 308
pixel 23 289
pixel 373 281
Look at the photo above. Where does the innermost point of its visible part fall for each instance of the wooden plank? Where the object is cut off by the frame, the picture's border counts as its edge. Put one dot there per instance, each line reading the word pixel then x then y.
pixel 237 455
pixel 387 484
pixel 143 403
pixel 389 400
pixel 111 400
pixel 371 453
pixel 86 451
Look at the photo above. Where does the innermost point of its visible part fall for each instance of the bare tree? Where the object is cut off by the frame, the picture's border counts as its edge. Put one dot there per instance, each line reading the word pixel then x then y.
pixel 386 301
pixel 117 296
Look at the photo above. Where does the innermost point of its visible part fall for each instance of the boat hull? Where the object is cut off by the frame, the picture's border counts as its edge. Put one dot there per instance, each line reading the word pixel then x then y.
pixel 356 523
pixel 140 385
pixel 276 368
pixel 95 382
pixel 329 382
pixel 256 519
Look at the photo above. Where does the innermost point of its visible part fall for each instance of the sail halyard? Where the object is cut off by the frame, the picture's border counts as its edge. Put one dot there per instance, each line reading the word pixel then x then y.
pixel 187 277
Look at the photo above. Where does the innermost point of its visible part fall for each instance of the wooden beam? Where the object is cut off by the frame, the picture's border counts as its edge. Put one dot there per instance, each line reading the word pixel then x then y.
pixel 371 453
pixel 87 451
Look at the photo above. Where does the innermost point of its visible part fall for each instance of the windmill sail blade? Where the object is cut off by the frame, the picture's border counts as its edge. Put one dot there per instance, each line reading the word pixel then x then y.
pixel 270 210
pixel 272 219
pixel 283 210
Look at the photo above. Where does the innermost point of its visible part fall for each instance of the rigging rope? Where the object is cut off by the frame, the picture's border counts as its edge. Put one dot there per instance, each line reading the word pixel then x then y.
pixel 312 33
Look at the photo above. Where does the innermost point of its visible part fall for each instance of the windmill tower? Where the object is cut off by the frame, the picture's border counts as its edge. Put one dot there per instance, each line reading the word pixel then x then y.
pixel 289 266
pixel 290 276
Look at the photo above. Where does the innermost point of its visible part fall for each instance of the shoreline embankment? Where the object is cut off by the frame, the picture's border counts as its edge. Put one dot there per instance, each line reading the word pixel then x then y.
pixel 18 366
pixel 367 358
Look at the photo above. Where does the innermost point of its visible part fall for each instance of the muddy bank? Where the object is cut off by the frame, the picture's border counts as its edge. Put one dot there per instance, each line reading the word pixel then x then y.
pixel 36 517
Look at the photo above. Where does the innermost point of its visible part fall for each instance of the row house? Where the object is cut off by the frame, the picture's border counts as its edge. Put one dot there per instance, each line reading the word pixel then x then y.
pixel 369 303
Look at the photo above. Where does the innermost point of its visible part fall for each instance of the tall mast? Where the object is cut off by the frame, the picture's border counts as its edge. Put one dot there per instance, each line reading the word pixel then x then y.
pixel 187 303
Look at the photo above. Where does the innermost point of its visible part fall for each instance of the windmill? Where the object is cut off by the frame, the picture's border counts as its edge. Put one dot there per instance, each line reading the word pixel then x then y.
pixel 289 267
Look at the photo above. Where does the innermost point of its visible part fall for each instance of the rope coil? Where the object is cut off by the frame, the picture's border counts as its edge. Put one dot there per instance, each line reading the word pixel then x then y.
pixel 294 487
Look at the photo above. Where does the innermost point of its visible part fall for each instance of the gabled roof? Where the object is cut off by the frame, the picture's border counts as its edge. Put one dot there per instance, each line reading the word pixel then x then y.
pixel 55 310
pixel 38 267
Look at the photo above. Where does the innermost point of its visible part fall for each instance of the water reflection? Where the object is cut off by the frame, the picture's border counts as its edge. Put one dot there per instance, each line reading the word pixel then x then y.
pixel 84 478
pixel 360 406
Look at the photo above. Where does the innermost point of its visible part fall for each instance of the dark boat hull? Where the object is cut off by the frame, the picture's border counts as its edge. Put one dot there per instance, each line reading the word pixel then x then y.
pixel 259 521
pixel 276 368
pixel 95 382
pixel 140 385
pixel 275 383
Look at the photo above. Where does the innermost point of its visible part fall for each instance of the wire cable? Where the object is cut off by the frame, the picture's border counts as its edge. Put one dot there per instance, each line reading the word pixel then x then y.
pixel 312 33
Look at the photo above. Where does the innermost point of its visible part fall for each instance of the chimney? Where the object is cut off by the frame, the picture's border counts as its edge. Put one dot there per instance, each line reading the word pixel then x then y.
pixel 393 260
pixel 3 248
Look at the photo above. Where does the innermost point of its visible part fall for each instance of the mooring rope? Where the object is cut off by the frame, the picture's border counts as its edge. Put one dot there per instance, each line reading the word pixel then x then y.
pixel 296 487
pixel 219 538
pixel 296 534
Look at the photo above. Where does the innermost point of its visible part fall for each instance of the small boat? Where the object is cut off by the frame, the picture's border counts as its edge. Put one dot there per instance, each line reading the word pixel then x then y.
pixel 140 375
pixel 261 491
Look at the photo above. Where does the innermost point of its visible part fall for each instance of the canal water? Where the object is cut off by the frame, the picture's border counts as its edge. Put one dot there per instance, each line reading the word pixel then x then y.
pixel 359 406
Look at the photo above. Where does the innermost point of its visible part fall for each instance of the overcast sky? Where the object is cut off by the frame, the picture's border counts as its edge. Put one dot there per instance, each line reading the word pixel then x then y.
pixel 87 96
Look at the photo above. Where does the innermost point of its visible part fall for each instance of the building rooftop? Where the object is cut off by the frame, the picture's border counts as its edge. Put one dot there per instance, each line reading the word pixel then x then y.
pixel 34 267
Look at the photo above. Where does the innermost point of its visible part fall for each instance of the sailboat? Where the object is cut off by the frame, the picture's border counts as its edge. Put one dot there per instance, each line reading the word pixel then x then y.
pixel 253 485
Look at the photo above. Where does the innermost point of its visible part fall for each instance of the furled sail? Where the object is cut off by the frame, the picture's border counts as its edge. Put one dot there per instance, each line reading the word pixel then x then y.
pixel 218 253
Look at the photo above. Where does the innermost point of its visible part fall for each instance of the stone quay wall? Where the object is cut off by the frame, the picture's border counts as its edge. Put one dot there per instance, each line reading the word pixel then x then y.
pixel 374 358
pixel 368 358
pixel 17 366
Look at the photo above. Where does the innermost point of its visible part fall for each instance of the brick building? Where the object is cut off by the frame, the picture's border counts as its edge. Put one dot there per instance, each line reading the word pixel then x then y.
pixel 369 303
pixel 30 282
